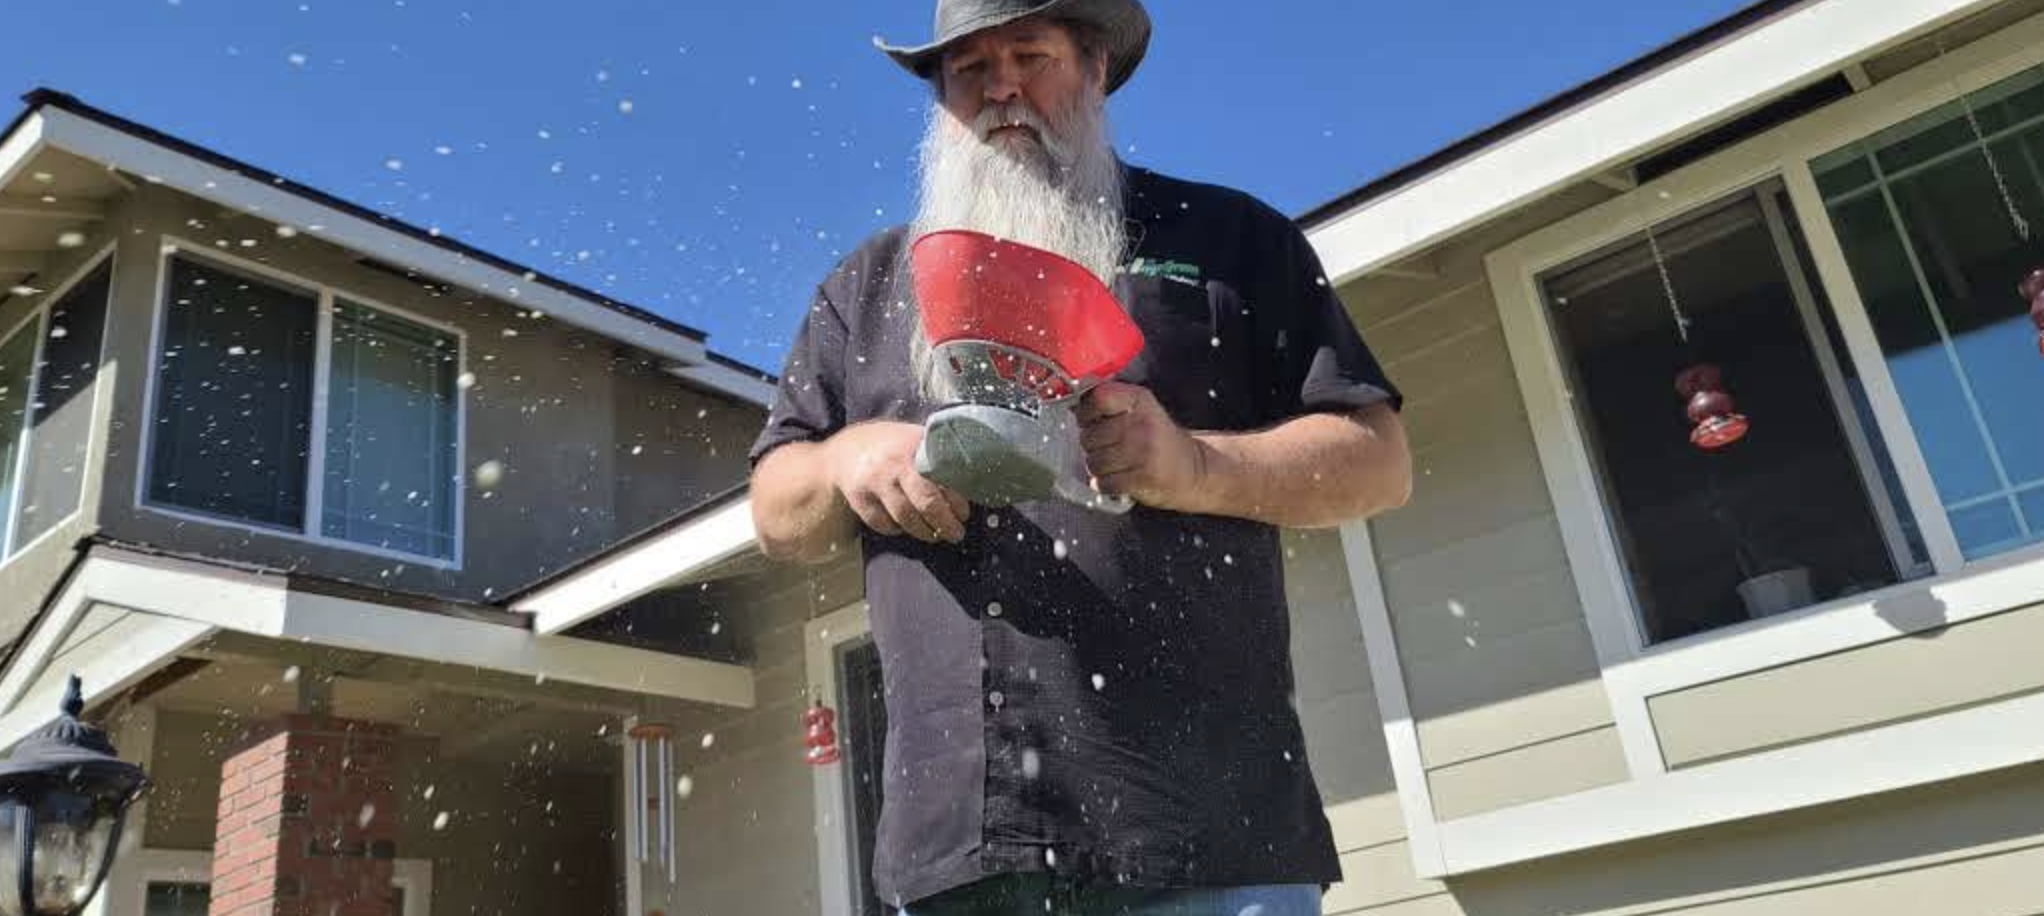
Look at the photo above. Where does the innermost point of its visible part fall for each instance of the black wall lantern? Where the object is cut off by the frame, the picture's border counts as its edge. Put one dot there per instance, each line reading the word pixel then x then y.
pixel 63 796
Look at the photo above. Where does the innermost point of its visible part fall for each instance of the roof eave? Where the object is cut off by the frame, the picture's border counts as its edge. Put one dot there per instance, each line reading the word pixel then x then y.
pixel 75 127
pixel 1756 55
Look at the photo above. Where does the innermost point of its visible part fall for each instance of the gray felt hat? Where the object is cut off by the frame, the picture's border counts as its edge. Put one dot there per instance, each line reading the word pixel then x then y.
pixel 1124 23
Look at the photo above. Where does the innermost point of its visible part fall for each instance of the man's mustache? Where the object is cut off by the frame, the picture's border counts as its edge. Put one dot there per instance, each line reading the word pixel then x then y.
pixel 995 117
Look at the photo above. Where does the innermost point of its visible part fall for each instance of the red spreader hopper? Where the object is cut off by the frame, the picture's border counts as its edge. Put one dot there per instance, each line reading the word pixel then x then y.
pixel 1042 322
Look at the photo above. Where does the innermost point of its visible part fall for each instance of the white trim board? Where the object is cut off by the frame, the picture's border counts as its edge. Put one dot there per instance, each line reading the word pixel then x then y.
pixel 211 598
pixel 1387 677
pixel 107 146
pixel 1976 740
pixel 105 675
pixel 723 533
pixel 1706 88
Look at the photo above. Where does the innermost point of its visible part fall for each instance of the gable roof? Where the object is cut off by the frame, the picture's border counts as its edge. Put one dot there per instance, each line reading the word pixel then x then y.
pixel 56 119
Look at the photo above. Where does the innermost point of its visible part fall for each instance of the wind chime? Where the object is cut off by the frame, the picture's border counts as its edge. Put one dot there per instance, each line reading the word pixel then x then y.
pixel 651 783
pixel 819 739
pixel 2031 287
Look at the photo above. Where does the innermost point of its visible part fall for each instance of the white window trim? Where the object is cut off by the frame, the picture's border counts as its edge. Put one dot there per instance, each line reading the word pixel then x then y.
pixel 1656 801
pixel 37 319
pixel 310 528
pixel 834 813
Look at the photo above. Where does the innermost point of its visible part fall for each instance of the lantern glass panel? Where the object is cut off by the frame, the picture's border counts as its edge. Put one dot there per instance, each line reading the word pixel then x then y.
pixel 10 857
pixel 72 831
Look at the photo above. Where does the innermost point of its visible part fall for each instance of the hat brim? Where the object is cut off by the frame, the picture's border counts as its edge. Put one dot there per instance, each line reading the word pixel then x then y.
pixel 1125 24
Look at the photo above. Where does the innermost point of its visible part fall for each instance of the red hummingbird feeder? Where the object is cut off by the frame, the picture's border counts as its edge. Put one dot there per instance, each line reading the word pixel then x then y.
pixel 819 740
pixel 1711 408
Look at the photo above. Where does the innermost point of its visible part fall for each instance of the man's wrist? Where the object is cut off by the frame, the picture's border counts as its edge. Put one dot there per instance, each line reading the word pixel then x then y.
pixel 1210 488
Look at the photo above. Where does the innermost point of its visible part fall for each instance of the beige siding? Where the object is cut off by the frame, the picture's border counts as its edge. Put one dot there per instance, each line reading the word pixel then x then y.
pixel 1973 847
pixel 748 828
pixel 1337 706
pixel 1560 766
pixel 1498 664
pixel 1939 670
pixel 1339 712
pixel 1377 876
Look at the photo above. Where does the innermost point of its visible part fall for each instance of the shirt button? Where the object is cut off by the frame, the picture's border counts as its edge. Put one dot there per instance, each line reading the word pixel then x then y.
pixel 996 698
pixel 994 609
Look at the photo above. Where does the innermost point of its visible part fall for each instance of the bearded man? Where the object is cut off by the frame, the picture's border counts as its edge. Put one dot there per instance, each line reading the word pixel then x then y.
pixel 1088 712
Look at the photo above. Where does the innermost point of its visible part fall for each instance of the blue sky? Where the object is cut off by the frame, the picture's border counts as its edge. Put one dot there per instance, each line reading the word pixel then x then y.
pixel 710 161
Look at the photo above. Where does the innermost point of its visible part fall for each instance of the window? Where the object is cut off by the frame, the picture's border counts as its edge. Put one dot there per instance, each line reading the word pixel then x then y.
pixel 177 898
pixel 390 399
pixel 241 433
pixel 46 362
pixel 1919 214
pixel 17 374
pixel 1802 510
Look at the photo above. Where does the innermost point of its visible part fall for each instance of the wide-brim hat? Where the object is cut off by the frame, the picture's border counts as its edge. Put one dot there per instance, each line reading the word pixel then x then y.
pixel 1124 24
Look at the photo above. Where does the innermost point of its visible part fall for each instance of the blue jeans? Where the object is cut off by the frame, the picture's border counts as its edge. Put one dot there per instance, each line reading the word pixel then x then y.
pixel 1042 895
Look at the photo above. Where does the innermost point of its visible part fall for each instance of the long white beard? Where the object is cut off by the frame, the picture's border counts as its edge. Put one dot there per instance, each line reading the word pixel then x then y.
pixel 1063 196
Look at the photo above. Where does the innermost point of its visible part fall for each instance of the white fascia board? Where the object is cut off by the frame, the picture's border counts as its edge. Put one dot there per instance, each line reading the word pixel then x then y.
pixel 745 386
pixel 1801 45
pixel 1974 740
pixel 20 148
pixel 107 674
pixel 643 568
pixel 55 626
pixel 248 604
pixel 105 145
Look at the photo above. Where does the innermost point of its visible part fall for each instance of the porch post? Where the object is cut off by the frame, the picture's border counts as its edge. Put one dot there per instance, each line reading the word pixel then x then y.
pixel 308 821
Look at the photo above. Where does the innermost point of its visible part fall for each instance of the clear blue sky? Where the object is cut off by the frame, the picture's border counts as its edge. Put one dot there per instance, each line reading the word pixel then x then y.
pixel 711 160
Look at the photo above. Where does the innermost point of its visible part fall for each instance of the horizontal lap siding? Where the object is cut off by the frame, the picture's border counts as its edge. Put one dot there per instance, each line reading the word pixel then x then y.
pixel 747 831
pixel 1935 671
pixel 1497 657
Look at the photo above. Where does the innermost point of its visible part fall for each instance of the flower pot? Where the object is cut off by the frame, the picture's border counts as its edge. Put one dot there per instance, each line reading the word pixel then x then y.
pixel 1777 592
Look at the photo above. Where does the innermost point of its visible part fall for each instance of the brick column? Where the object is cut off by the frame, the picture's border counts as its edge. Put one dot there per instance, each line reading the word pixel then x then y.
pixel 308 821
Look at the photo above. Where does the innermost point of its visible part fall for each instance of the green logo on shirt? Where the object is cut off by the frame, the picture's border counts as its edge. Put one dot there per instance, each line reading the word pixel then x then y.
pixel 1174 271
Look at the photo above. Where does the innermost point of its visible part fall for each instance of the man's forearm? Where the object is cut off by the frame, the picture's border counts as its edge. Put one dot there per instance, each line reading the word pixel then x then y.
pixel 1315 471
pixel 795 506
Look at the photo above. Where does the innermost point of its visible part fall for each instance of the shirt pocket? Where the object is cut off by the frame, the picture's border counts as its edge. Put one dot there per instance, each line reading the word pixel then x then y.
pixel 1196 357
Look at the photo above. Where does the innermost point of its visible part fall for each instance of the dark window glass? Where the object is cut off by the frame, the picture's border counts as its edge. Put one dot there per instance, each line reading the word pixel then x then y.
pixel 233 413
pixel 54 479
pixel 1785 517
pixel 165 898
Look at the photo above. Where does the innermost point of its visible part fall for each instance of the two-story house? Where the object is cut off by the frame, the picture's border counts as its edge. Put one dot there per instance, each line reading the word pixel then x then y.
pixel 270 464
pixel 1652 636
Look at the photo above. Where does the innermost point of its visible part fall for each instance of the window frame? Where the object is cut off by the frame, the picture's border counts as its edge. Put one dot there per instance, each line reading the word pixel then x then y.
pixel 1634 669
pixel 836 857
pixel 37 320
pixel 310 529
